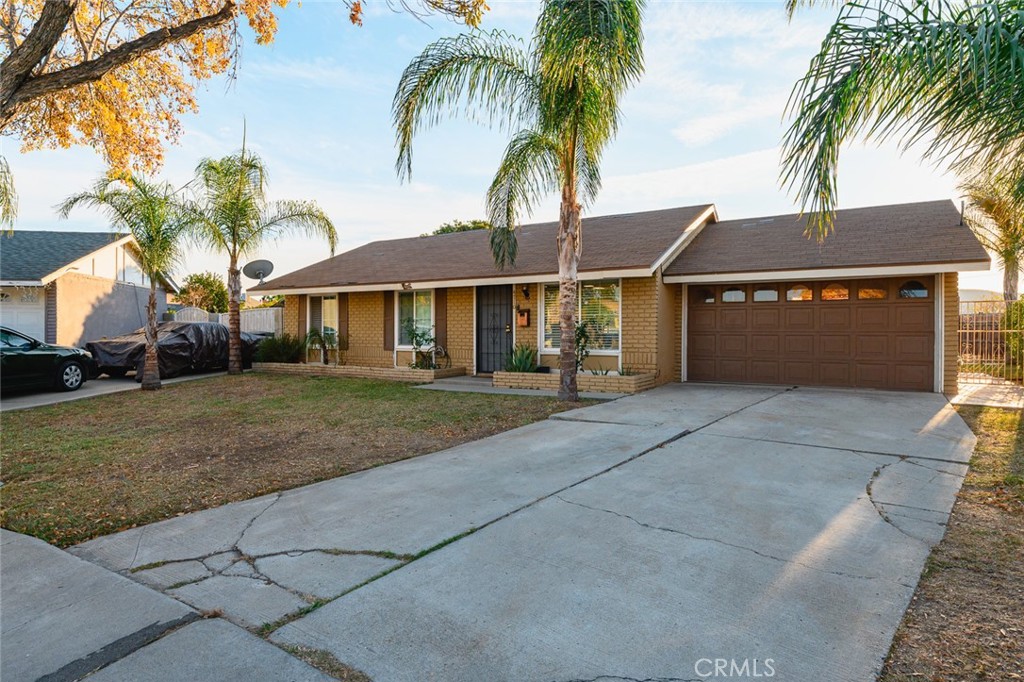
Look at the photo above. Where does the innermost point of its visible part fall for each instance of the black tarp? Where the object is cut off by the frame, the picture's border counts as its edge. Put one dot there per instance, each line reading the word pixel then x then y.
pixel 182 347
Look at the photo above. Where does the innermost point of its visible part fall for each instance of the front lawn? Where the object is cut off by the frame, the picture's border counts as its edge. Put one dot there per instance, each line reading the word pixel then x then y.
pixel 965 621
pixel 85 468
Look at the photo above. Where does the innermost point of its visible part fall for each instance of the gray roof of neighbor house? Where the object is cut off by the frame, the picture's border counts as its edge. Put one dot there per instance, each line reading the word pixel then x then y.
pixel 903 234
pixel 30 255
pixel 618 242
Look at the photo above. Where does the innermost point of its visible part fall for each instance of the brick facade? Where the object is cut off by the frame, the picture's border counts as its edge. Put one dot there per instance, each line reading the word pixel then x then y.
pixel 950 328
pixel 460 327
pixel 585 382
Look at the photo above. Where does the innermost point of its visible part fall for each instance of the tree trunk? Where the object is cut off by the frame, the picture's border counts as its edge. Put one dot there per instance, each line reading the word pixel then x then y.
pixel 568 261
pixel 1011 271
pixel 151 365
pixel 234 322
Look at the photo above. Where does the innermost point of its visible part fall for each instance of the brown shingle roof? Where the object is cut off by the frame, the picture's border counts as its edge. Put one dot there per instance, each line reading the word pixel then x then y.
pixel 902 234
pixel 617 242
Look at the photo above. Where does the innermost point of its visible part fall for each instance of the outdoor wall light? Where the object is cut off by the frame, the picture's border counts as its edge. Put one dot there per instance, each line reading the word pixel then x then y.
pixel 526 292
pixel 406 286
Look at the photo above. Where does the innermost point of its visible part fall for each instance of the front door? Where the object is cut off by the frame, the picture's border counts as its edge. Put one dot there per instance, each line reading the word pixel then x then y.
pixel 493 327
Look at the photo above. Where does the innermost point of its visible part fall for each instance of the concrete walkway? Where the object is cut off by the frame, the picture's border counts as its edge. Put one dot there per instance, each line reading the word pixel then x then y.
pixel 93 387
pixel 630 540
pixel 1005 394
pixel 64 618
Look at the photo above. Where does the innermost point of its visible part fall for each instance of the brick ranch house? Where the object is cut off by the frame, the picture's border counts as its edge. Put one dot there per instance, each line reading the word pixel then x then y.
pixel 671 295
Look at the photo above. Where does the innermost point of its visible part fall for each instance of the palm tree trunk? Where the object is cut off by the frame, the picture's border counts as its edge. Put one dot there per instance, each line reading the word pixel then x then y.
pixel 234 323
pixel 1011 271
pixel 151 364
pixel 568 262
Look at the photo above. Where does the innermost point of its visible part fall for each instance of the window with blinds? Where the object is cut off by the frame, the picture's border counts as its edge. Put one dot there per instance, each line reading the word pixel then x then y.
pixel 598 305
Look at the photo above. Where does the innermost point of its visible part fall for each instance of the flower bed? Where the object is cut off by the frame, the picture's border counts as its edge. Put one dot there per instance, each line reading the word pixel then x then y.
pixel 407 374
pixel 598 383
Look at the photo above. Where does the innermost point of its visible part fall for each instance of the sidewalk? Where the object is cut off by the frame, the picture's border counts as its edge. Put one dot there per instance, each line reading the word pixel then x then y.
pixel 64 618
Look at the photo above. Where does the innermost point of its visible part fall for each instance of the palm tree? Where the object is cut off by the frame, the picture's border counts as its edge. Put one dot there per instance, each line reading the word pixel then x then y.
pixel 232 215
pixel 997 219
pixel 151 213
pixel 946 73
pixel 561 95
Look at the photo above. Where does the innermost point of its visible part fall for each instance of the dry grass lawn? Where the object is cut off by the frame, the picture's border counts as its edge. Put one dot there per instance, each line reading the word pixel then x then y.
pixel 966 621
pixel 85 468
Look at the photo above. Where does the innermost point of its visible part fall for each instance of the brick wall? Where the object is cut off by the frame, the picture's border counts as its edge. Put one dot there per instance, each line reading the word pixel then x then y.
pixel 585 382
pixel 640 324
pixel 407 374
pixel 677 331
pixel 951 321
pixel 669 343
pixel 460 327
pixel 291 314
pixel 366 330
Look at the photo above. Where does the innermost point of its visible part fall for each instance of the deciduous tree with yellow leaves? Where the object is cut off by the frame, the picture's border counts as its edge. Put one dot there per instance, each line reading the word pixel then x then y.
pixel 116 75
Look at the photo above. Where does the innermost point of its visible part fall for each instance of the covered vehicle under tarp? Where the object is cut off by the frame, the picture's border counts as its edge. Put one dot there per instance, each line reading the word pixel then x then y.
pixel 182 347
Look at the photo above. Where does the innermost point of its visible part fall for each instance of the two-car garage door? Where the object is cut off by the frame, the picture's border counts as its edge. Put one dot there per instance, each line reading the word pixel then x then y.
pixel 860 333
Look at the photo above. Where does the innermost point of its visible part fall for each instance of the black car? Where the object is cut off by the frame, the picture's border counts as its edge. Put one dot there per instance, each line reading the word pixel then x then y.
pixel 30 363
pixel 182 347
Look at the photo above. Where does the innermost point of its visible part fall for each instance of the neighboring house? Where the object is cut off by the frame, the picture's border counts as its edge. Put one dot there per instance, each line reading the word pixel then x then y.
pixel 676 293
pixel 71 287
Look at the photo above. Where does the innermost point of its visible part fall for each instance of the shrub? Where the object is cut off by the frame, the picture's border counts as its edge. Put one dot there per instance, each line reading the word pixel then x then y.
pixel 582 345
pixel 523 358
pixel 283 348
pixel 1013 325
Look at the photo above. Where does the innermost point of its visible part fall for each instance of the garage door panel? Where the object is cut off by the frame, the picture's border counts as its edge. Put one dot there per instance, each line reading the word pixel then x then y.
pixel 703 318
pixel 800 316
pixel 764 344
pixel 731 370
pixel 798 372
pixel 834 317
pixel 732 344
pixel 766 318
pixel 732 318
pixel 883 342
pixel 834 373
pixel 764 371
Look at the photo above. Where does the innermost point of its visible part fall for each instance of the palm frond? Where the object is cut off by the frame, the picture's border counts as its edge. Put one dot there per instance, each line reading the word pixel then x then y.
pixel 287 216
pixel 8 195
pixel 528 172
pixel 486 76
pixel 996 215
pixel 949 75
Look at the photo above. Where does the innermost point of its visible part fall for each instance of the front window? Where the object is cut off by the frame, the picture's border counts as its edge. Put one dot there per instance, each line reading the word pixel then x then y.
pixel 598 305
pixel 323 315
pixel 415 307
pixel 799 292
pixel 835 292
pixel 734 295
pixel 913 289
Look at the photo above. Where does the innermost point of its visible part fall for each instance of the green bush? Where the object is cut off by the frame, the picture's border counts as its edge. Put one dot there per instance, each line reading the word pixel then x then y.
pixel 582 344
pixel 283 348
pixel 1013 325
pixel 523 358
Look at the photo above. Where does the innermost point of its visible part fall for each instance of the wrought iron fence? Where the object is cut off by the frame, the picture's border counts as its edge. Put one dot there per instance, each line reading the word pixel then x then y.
pixel 991 335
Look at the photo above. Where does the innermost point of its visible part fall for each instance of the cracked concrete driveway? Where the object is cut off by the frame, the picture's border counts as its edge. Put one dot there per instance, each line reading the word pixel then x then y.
pixel 643 538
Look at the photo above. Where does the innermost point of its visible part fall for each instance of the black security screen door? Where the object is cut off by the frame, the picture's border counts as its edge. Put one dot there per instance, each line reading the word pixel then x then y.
pixel 493 327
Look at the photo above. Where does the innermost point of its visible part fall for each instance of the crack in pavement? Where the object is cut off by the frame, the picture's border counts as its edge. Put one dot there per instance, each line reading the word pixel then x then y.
pixel 841 449
pixel 719 541
pixel 878 509
pixel 241 536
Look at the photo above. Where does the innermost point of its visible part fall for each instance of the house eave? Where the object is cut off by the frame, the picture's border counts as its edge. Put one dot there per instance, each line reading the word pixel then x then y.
pixel 20 283
pixel 829 273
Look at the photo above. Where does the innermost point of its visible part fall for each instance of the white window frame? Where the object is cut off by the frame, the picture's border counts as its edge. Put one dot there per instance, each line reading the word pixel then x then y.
pixel 309 310
pixel 579 304
pixel 398 321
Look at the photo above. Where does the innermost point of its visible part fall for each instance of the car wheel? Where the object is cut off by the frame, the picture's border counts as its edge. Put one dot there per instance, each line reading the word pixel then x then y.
pixel 70 376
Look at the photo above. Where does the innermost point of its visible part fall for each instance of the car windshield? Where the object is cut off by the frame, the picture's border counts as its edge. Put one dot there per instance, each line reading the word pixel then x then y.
pixel 12 340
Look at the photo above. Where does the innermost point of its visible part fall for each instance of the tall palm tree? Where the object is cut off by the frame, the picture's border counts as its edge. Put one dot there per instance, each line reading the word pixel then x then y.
pixel 561 95
pixel 151 213
pixel 232 215
pixel 997 218
pixel 945 73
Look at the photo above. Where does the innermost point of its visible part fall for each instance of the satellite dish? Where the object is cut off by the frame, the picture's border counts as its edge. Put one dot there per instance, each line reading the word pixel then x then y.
pixel 258 269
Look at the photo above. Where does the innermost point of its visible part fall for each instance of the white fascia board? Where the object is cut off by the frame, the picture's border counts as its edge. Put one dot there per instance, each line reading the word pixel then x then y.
pixel 831 273
pixel 453 283
pixel 76 264
pixel 688 235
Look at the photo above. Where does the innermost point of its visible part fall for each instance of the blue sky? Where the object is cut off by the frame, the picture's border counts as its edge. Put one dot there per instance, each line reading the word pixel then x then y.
pixel 703 126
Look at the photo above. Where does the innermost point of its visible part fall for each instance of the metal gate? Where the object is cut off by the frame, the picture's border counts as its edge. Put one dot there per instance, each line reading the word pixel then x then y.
pixel 991 335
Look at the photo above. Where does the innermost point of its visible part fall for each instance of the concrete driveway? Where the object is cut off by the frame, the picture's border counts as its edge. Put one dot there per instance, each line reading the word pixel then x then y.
pixel 90 389
pixel 684 533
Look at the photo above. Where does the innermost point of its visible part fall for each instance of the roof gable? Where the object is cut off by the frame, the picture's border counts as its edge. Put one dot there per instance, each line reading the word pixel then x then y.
pixel 923 233
pixel 610 243
pixel 31 255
